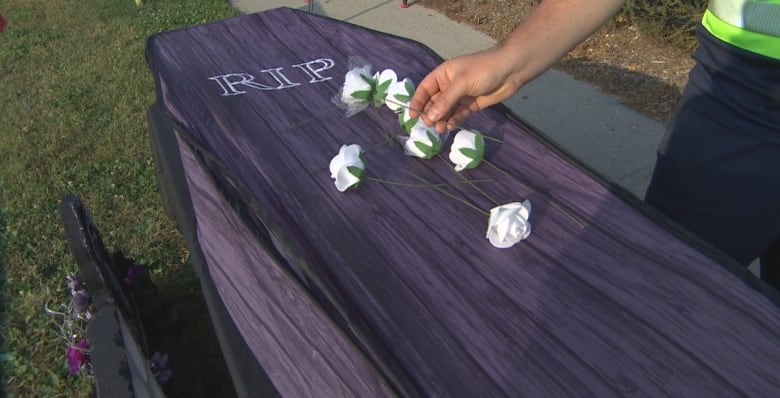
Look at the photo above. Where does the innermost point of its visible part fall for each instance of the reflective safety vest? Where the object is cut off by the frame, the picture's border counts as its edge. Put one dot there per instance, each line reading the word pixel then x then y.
pixel 753 25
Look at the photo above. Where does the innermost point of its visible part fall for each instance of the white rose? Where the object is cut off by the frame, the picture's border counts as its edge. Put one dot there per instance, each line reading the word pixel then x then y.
pixel 509 224
pixel 384 81
pixel 399 95
pixel 358 87
pixel 467 150
pixel 423 142
pixel 347 167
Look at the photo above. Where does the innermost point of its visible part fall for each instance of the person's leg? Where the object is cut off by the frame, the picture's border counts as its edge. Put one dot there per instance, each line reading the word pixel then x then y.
pixel 721 185
pixel 718 167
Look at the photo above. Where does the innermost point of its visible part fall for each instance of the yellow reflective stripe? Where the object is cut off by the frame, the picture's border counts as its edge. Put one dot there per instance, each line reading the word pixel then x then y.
pixel 758 43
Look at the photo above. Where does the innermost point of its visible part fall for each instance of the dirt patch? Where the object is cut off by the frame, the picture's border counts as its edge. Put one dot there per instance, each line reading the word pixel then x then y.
pixel 640 71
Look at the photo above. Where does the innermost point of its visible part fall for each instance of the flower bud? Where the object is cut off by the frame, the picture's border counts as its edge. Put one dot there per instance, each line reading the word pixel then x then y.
pixel 467 150
pixel 347 167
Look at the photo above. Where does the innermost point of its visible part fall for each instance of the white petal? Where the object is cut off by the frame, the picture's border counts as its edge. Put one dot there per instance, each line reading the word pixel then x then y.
pixel 465 139
pixel 387 74
pixel 349 155
pixel 508 224
pixel 411 149
pixel 344 179
pixel 354 82
pixel 460 160
pixel 337 163
pixel 399 88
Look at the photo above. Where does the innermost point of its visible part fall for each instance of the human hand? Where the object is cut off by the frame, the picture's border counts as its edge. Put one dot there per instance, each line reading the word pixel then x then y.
pixel 461 86
pixel 466 84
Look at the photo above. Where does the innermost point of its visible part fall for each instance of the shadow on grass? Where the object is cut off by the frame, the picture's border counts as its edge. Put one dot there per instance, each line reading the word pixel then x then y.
pixel 195 330
pixel 645 94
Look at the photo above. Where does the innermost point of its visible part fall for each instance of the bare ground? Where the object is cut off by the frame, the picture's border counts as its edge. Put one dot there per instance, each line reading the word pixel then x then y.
pixel 641 71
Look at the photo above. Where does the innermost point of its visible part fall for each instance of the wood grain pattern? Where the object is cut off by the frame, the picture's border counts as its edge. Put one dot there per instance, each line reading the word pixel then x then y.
pixel 401 280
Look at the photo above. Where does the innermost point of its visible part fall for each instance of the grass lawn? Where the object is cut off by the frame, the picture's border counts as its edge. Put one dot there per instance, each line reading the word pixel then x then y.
pixel 74 88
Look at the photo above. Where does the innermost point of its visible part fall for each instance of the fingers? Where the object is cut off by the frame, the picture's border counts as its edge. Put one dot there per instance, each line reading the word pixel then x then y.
pixel 419 102
pixel 437 94
pixel 424 94
pixel 462 111
pixel 457 88
pixel 445 104
pixel 428 106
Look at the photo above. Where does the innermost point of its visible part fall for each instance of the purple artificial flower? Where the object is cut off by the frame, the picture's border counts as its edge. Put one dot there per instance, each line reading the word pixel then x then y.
pixel 78 356
pixel 80 300
pixel 79 296
pixel 74 282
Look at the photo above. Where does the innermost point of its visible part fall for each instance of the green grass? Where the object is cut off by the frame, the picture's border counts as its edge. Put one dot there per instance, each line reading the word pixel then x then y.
pixel 74 88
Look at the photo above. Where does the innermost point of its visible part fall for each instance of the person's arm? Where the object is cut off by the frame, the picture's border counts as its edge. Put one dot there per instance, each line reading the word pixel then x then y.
pixel 469 83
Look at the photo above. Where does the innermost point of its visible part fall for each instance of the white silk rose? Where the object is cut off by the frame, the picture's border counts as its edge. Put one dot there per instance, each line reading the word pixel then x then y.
pixel 508 224
pixel 358 90
pixel 347 167
pixel 399 95
pixel 384 80
pixel 423 142
pixel 467 150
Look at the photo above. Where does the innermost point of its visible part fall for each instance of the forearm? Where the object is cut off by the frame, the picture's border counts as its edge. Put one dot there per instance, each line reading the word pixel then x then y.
pixel 551 31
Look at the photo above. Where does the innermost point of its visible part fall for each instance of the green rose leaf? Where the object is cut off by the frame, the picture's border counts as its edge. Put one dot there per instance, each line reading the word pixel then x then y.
pixel 409 88
pixel 479 144
pixel 406 124
pixel 362 95
pixel 381 93
pixel 436 142
pixel 470 153
pixel 427 150
pixel 355 171
pixel 402 98
pixel 473 154
pixel 369 80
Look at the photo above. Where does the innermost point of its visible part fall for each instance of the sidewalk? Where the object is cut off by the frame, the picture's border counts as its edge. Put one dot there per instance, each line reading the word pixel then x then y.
pixel 616 141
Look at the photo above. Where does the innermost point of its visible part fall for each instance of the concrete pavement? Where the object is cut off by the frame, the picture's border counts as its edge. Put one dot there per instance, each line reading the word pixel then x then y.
pixel 616 141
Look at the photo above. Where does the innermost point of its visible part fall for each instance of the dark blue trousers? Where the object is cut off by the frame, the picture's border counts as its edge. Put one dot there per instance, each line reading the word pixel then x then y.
pixel 718 166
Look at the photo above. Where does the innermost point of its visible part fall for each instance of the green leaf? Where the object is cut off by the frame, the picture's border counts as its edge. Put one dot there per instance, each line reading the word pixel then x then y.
pixel 436 148
pixel 427 150
pixel 402 98
pixel 409 88
pixel 369 80
pixel 479 144
pixel 383 86
pixel 473 154
pixel 362 95
pixel 355 171
pixel 406 124
pixel 470 153
pixel 381 93
pixel 473 164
